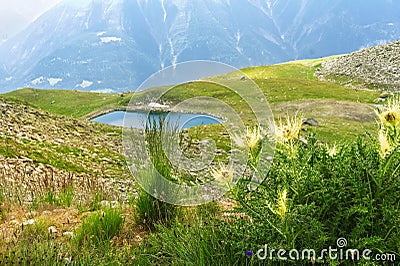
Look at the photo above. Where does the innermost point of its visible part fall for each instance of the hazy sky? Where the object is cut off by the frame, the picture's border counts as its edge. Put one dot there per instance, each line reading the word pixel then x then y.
pixel 17 14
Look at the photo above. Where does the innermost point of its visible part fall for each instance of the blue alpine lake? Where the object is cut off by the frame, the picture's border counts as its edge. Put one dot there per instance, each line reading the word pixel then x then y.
pixel 139 119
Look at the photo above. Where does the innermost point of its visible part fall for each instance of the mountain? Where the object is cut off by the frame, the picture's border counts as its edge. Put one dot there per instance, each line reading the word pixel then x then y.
pixel 114 45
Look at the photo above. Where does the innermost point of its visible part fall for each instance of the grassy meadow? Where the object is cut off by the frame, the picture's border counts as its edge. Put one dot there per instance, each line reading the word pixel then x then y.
pixel 67 197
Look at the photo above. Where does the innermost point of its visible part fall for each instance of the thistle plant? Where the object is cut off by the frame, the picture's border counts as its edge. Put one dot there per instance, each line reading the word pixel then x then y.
pixel 331 150
pixel 281 207
pixel 390 117
pixel 389 134
pixel 287 134
pixel 385 147
pixel 252 141
pixel 223 175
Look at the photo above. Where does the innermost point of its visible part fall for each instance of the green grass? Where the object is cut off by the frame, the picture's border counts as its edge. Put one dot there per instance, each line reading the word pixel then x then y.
pixel 282 83
pixel 352 194
pixel 282 92
pixel 71 103
pixel 99 228
pixel 66 158
pixel 282 71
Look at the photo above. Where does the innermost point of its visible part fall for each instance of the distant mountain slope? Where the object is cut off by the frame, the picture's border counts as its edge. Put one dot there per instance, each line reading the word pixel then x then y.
pixel 375 67
pixel 113 45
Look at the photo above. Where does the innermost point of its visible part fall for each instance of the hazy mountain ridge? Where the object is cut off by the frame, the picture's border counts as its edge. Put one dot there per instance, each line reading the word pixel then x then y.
pixel 116 44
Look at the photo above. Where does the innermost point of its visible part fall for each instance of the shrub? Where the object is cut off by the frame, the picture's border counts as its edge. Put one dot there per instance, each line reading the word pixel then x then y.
pixel 312 196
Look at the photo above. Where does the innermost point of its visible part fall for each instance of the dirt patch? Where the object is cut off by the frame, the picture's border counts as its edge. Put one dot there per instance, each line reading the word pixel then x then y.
pixel 326 109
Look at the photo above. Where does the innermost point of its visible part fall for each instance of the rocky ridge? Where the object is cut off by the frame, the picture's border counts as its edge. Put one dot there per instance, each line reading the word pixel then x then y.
pixel 42 152
pixel 374 67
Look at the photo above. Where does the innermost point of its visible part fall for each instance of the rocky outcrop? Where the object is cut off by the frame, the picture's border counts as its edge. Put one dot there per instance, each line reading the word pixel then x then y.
pixel 374 67
pixel 42 152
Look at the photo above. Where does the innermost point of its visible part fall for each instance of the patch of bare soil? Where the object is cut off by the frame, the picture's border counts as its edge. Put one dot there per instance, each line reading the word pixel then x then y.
pixel 327 109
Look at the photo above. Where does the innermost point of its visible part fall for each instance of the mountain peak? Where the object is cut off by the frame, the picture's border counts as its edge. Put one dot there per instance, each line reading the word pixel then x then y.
pixel 116 44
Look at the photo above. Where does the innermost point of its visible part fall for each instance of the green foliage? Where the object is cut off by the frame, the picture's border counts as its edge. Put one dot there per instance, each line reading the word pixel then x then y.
pixel 47 252
pixel 64 198
pixel 99 228
pixel 151 211
pixel 345 195
pixel 351 194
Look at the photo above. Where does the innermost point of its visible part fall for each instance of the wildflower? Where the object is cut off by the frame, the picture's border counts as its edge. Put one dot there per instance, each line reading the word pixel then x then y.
pixel 252 139
pixel 289 131
pixel 282 204
pixel 391 116
pixel 249 253
pixel 332 151
pixel 223 174
pixel 280 207
pixel 385 147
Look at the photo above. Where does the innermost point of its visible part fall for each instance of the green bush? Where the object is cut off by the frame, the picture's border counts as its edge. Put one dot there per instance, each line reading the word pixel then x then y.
pixel 353 194
pixel 310 198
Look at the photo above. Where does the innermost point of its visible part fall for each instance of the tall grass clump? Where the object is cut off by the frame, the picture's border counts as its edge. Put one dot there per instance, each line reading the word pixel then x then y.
pixel 98 229
pixel 148 209
pixel 45 252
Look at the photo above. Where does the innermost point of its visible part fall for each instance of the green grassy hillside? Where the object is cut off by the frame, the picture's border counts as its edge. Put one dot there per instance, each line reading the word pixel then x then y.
pixel 70 103
pixel 67 197
pixel 290 88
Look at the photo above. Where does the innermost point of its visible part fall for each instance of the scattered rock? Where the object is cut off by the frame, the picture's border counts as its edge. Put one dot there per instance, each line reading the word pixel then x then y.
pixel 52 230
pixel 68 234
pixel 243 78
pixel 310 122
pixel 303 140
pixel 379 100
pixel 14 222
pixel 27 178
pixel 28 222
pixel 384 95
pixel 46 213
pixel 378 65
